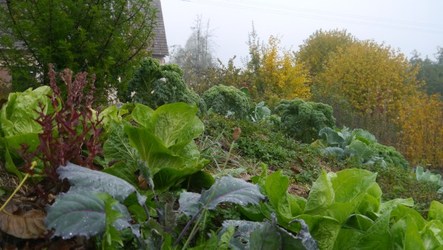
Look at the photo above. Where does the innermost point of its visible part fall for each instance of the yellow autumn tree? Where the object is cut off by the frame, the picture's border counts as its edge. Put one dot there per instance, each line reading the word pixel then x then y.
pixel 279 74
pixel 420 119
pixel 315 50
pixel 372 78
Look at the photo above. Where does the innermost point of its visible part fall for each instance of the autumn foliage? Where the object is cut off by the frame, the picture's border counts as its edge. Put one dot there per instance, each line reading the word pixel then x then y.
pixel 421 122
pixel 376 84
pixel 276 73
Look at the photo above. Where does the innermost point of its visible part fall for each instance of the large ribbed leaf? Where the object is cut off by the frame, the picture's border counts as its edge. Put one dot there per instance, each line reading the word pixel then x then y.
pixel 93 181
pixel 225 189
pixel 82 213
pixel 267 235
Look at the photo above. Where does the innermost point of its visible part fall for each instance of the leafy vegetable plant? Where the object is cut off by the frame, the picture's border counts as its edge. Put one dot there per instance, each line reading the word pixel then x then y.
pixel 17 123
pixel 427 176
pixel 228 101
pixel 97 205
pixel 159 144
pixel 303 120
pixel 361 145
pixel 344 210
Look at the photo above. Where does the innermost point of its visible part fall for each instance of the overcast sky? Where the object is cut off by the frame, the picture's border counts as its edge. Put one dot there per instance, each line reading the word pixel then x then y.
pixel 406 25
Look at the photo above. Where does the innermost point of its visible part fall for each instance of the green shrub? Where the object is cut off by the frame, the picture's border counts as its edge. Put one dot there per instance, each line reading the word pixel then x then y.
pixel 154 85
pixel 303 120
pixel 228 101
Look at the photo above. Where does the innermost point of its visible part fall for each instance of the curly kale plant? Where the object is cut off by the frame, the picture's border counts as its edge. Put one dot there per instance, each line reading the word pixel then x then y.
pixel 154 85
pixel 303 120
pixel 228 101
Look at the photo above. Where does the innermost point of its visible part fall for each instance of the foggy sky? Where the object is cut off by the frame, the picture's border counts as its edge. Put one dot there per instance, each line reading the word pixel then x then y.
pixel 406 25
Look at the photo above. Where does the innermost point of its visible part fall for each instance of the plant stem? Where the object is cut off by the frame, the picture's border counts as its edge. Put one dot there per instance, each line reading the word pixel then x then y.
pixel 229 154
pixel 187 227
pixel 33 164
pixel 194 230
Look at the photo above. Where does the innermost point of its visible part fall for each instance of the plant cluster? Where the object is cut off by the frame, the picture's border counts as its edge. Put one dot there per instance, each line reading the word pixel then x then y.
pixel 360 145
pixel 228 101
pixel 154 85
pixel 147 188
pixel 423 175
pixel 303 120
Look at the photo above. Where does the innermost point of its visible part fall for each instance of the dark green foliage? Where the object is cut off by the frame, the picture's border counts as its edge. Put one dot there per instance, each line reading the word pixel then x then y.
pixel 104 37
pixel 401 183
pixel 303 120
pixel 154 85
pixel 431 72
pixel 228 101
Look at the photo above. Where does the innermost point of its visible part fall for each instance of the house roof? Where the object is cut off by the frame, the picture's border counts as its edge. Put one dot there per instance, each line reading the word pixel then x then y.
pixel 160 44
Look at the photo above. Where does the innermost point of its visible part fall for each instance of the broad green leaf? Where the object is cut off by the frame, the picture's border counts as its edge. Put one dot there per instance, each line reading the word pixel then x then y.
pixel 117 149
pixel 152 150
pixel 340 211
pixel 165 141
pixel 432 235
pixel 347 238
pixel 142 114
pixel 18 125
pixel 350 184
pixel 378 236
pixel 124 172
pixel 276 187
pixel 233 190
pixel 371 201
pixel 323 229
pixel 82 213
pixel 189 203
pixel 111 235
pixel 225 189
pixel 336 152
pixel 297 204
pixel 359 222
pixel 406 235
pixel 168 177
pixel 265 237
pixel 411 214
pixel 176 124
pixel 321 195
pixel 14 142
pixel 18 114
pixel 114 115
pixel 331 136
pixel 364 136
pixel 243 230
pixel 82 178
pixel 435 211
pixel 10 165
pixel 388 206
pixel 359 150
pixel 199 181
